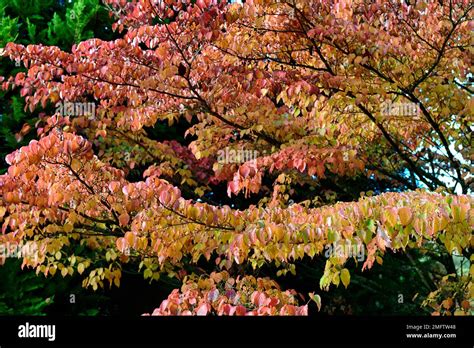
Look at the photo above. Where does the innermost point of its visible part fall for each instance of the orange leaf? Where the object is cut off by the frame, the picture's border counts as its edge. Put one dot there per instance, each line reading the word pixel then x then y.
pixel 124 219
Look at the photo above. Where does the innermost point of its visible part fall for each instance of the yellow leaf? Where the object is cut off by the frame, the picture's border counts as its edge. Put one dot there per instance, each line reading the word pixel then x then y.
pixel 278 232
pixel 75 164
pixel 2 211
pixel 405 215
pixel 193 212
pixel 129 238
pixel 345 277
pixel 335 279
pixel 148 273
pixel 64 272
pixel 68 227
pixel 391 216
pixel 80 268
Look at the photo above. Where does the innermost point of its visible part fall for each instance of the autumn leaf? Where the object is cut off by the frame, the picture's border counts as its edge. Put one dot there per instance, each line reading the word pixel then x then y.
pixel 124 219
pixel 345 277
pixel 317 299
pixel 405 214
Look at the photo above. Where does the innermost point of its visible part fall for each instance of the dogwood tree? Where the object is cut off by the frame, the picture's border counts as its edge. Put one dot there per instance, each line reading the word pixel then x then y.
pixel 316 90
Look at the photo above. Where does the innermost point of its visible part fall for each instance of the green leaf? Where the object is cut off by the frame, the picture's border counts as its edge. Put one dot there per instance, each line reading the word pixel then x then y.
pixel 331 236
pixel 148 273
pixel 316 298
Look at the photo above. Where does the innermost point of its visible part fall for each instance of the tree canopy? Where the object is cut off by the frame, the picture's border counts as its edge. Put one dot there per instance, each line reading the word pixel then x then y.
pixel 304 89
